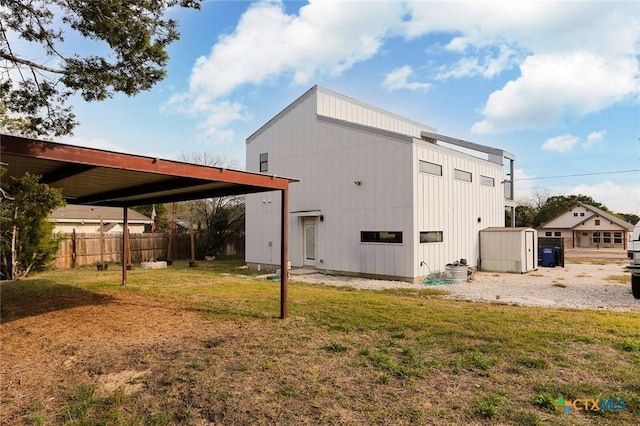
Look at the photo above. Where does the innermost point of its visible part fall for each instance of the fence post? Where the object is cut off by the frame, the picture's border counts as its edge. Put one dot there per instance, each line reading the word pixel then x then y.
pixel 73 248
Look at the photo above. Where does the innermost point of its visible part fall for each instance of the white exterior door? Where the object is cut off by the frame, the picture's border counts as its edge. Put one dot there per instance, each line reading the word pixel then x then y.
pixel 309 242
pixel 530 255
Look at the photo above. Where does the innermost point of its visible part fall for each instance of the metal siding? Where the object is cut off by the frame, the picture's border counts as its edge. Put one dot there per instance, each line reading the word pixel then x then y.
pixel 452 206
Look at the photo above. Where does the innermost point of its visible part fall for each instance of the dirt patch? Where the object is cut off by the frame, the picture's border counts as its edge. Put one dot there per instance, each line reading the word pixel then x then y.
pixel 82 342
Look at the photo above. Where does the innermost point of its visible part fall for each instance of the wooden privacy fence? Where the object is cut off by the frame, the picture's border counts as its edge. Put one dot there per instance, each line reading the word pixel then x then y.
pixel 84 249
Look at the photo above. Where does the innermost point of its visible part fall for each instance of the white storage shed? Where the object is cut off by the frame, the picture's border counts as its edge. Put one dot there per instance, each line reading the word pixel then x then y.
pixel 508 250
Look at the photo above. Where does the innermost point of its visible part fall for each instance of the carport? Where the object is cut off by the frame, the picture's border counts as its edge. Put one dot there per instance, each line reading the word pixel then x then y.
pixel 105 178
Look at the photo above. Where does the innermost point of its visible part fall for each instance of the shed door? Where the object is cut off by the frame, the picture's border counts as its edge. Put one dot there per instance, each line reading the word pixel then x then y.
pixel 310 242
pixel 530 255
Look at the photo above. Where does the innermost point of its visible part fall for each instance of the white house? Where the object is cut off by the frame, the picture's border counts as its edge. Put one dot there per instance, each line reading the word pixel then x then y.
pixel 87 219
pixel 379 195
pixel 586 226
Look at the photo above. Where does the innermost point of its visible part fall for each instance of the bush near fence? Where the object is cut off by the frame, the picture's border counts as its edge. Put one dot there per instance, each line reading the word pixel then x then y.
pixel 84 249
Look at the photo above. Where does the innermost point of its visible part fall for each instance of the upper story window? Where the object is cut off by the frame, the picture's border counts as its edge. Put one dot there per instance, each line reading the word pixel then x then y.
pixel 547 233
pixel 557 234
pixel 430 168
pixel 462 175
pixel 597 222
pixel 581 214
pixel 431 236
pixel 487 181
pixel 264 162
pixel 575 214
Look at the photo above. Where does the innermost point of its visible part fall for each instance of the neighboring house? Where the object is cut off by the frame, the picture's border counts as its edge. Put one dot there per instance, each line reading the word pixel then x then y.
pixel 586 226
pixel 86 219
pixel 379 195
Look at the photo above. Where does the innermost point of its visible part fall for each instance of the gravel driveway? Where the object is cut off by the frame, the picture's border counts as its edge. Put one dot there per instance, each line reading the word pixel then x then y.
pixel 577 285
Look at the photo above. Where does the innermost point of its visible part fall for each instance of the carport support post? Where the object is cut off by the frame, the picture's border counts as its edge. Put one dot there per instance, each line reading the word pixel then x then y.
pixel 125 244
pixel 284 254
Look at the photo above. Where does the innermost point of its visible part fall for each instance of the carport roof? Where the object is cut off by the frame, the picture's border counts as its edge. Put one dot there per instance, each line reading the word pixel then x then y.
pixel 105 178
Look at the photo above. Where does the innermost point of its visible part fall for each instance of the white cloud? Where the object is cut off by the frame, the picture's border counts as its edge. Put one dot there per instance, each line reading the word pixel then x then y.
pixel 553 86
pixel 620 198
pixel 524 184
pixel 562 143
pixel 491 63
pixel 593 139
pixel 574 58
pixel 324 38
pixel 399 79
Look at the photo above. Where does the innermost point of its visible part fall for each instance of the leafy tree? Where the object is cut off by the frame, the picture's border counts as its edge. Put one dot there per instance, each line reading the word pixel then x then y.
pixel 525 214
pixel 221 218
pixel 557 204
pixel 162 212
pixel 27 236
pixel 38 77
pixel 629 217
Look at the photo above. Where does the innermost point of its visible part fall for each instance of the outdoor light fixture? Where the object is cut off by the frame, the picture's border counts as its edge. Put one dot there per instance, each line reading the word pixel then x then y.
pixel 357 182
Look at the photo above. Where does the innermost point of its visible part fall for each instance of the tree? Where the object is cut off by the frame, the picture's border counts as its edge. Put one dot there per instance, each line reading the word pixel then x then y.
pixel 222 218
pixel 557 204
pixel 27 236
pixel 630 217
pixel 525 214
pixel 38 80
pixel 162 211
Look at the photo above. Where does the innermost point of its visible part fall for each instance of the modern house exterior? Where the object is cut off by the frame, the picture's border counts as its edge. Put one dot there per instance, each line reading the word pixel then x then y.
pixel 586 226
pixel 88 219
pixel 378 195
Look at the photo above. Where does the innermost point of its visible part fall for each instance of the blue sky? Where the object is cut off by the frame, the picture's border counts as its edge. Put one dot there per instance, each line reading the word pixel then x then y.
pixel 555 83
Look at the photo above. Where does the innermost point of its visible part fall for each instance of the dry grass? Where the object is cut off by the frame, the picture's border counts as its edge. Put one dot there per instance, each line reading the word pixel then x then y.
pixel 187 346
pixel 623 279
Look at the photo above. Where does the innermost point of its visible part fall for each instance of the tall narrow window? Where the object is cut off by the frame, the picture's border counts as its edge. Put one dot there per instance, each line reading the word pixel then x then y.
pixel 617 237
pixel 264 162
pixel 431 168
pixel 597 222
pixel 462 175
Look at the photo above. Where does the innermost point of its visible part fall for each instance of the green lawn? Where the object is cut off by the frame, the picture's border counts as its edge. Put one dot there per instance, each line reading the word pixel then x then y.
pixel 342 356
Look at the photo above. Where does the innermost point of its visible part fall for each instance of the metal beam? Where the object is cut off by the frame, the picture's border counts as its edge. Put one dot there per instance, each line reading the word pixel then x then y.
pixel 125 243
pixel 284 254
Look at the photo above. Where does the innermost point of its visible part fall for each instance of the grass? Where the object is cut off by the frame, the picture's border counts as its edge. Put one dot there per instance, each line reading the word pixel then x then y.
pixel 343 356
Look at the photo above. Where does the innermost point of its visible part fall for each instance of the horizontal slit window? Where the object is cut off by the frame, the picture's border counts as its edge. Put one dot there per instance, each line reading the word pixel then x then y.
pixel 462 175
pixel 487 181
pixel 430 168
pixel 431 236
pixel 381 237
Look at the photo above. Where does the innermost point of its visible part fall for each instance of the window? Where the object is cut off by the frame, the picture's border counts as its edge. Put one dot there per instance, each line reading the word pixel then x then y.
pixel 617 237
pixel 575 214
pixel 487 181
pixel 596 237
pixel 606 237
pixel 264 162
pixel 431 168
pixel 380 237
pixel 547 234
pixel 557 234
pixel 431 237
pixel 581 214
pixel 597 222
pixel 462 175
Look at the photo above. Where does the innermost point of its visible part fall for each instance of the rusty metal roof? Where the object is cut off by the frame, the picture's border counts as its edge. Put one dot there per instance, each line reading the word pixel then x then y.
pixel 104 178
